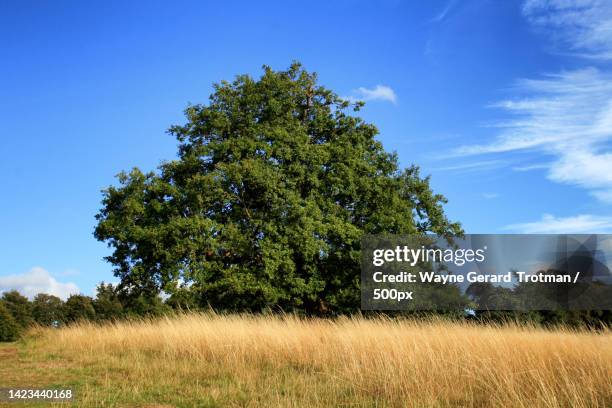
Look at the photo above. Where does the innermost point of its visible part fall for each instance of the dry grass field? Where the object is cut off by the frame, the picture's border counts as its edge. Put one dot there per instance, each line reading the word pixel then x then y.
pixel 214 360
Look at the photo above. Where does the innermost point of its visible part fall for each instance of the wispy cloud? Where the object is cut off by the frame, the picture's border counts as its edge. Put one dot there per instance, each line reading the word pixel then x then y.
pixel 378 93
pixel 444 13
pixel 472 166
pixel 490 196
pixel 531 167
pixel 580 224
pixel 566 116
pixel 37 280
pixel 583 26
pixel 559 110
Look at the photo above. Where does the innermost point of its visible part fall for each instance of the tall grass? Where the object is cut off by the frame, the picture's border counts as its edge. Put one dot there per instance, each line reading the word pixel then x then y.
pixel 289 361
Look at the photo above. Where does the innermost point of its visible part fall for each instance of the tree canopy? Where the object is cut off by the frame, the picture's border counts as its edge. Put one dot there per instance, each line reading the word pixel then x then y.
pixel 275 183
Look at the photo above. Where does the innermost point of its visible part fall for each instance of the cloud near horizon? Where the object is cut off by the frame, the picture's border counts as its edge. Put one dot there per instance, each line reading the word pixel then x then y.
pixel 579 224
pixel 37 280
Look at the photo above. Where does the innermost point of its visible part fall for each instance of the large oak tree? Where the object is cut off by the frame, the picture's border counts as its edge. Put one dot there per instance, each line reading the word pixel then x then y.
pixel 275 183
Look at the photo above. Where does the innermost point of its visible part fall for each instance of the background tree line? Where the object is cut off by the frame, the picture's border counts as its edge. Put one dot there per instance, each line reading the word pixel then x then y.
pixel 17 312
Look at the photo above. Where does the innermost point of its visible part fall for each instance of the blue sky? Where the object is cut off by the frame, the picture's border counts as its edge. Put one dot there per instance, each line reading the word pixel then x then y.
pixel 507 105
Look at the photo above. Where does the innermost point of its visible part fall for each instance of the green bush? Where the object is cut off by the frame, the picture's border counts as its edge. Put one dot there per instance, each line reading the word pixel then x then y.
pixel 9 330
pixel 107 303
pixel 47 309
pixel 20 308
pixel 79 307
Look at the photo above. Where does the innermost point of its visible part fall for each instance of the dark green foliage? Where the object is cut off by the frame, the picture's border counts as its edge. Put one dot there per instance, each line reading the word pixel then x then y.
pixel 19 306
pixel 184 299
pixel 47 309
pixel 9 329
pixel 143 304
pixel 510 301
pixel 79 307
pixel 107 304
pixel 275 184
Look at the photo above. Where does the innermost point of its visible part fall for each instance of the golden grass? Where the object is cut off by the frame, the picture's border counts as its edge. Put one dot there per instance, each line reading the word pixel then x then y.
pixel 241 360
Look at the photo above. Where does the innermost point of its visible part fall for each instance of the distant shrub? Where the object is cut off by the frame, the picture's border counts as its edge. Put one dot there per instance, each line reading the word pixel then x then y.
pixel 79 307
pixel 9 329
pixel 47 309
pixel 107 304
pixel 20 308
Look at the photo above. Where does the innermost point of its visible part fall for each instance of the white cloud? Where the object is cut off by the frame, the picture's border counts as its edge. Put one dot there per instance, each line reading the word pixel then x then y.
pixel 579 224
pixel 490 196
pixel 531 167
pixel 560 109
pixel 378 93
pixel 584 26
pixel 37 280
pixel 472 166
pixel 567 116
